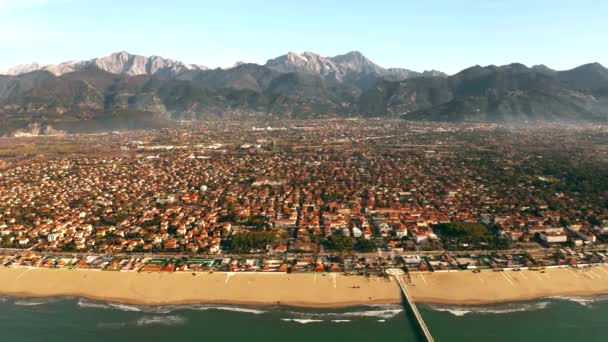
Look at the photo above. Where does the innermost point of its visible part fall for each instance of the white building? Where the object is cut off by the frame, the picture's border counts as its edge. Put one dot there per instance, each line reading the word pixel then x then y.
pixel 421 236
pixel 586 235
pixel 553 237
pixel 401 232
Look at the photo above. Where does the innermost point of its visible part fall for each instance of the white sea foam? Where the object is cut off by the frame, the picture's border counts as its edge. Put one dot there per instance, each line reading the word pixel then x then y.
pixel 384 306
pixel 83 303
pixel 92 305
pixel 124 307
pixel 579 300
pixel 230 308
pixel 340 320
pixel 160 309
pixel 381 320
pixel 499 309
pixel 161 320
pixel 25 302
pixel 384 312
pixel 584 301
pixel 301 320
pixel 455 312
pixel 166 309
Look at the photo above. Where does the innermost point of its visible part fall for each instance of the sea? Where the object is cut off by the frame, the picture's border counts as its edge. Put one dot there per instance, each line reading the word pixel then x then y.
pixel 76 319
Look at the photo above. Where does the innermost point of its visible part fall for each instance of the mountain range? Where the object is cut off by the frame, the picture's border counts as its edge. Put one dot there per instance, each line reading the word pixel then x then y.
pixel 130 91
pixel 509 93
pixel 117 63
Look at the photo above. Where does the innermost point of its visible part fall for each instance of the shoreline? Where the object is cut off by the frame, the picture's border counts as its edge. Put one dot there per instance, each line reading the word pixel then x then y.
pixel 473 303
pixel 253 304
pixel 307 290
pixel 160 289
pixel 301 305
pixel 489 287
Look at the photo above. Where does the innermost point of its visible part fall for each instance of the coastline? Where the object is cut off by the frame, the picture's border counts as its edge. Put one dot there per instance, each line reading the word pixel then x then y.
pixel 158 289
pixel 488 287
pixel 308 290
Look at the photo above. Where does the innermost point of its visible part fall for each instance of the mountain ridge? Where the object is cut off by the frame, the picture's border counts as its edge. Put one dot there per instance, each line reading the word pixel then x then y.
pixel 508 93
pixel 153 91
pixel 120 62
pixel 353 61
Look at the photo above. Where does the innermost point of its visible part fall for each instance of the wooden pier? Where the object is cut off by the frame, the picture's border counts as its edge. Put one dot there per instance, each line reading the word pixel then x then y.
pixel 397 275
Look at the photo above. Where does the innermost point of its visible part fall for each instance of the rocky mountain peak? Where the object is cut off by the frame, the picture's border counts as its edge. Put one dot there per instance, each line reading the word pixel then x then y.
pixel 308 62
pixel 22 69
pixel 357 62
pixel 121 62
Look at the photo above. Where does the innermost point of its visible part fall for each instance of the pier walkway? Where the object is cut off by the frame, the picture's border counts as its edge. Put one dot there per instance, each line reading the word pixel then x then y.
pixel 397 274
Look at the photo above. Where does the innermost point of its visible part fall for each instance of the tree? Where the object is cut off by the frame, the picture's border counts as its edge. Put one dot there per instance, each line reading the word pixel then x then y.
pixel 462 229
pixel 6 241
pixel 364 245
pixel 244 242
pixel 339 243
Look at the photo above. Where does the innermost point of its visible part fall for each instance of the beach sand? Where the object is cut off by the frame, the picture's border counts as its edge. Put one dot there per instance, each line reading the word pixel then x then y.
pixel 306 290
pixel 488 287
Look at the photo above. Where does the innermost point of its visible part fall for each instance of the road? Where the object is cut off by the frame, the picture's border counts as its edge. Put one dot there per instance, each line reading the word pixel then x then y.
pixel 371 255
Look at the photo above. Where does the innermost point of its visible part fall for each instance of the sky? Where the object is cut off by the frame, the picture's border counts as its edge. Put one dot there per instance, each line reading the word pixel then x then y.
pixel 447 35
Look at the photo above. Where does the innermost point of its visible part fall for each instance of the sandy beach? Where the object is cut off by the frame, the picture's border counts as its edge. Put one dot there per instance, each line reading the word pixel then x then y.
pixel 306 290
pixel 488 287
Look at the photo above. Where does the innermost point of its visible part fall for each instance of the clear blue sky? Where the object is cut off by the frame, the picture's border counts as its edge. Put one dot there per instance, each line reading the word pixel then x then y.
pixel 442 34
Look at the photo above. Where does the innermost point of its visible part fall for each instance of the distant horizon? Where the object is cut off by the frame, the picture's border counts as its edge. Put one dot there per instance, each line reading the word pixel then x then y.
pixel 442 35
pixel 3 69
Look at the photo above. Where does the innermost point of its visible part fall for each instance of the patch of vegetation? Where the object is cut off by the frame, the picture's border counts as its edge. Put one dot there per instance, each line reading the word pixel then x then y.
pixel 244 242
pixel 364 245
pixel 339 243
pixel 461 230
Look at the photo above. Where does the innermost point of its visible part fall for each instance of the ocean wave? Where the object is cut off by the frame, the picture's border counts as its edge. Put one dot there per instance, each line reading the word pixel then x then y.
pixel 386 314
pixel 125 307
pixel 381 320
pixel 460 311
pixel 165 309
pixel 383 306
pixel 301 320
pixel 584 301
pixel 161 320
pixel 92 305
pixel 27 302
pixel 372 311
pixel 455 312
pixel 228 308
pixel 340 320
pixel 382 312
pixel 83 303
pixel 160 309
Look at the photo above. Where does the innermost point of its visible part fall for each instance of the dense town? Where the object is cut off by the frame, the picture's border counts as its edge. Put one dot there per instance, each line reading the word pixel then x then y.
pixel 327 195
